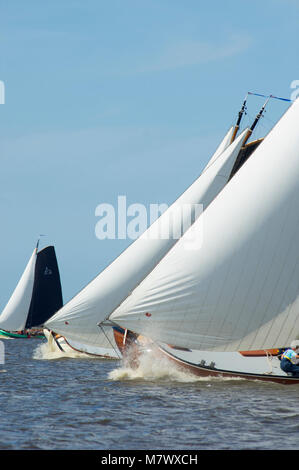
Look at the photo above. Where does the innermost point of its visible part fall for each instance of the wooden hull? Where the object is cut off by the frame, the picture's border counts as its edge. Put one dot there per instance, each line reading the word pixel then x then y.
pixel 206 371
pixel 130 348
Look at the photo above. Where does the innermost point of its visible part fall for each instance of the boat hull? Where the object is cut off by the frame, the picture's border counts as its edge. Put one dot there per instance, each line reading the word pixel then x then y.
pixel 11 334
pixel 261 365
pixel 60 343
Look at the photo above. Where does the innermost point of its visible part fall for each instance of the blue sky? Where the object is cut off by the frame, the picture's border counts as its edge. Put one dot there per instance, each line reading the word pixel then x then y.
pixel 122 97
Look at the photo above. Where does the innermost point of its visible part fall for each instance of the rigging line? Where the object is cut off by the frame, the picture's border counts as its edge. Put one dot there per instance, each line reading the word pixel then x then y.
pixel 240 115
pixel 38 240
pixel 243 109
pixel 270 96
pixel 236 127
pixel 250 130
pixel 258 117
pixel 111 344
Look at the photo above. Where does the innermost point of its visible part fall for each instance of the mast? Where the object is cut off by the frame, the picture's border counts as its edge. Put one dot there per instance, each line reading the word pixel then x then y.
pixel 258 116
pixel 244 153
pixel 240 115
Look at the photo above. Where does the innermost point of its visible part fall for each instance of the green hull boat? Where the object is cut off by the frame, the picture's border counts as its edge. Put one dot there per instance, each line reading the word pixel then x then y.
pixel 10 334
pixel 37 296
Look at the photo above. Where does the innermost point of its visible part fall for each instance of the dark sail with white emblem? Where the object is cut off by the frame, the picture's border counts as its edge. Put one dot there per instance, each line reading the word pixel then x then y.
pixel 38 294
pixel 47 294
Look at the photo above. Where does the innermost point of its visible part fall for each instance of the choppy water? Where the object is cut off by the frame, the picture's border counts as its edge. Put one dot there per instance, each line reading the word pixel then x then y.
pixel 54 403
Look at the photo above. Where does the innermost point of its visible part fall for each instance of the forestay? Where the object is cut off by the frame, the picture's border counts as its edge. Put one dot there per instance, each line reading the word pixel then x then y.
pixel 239 290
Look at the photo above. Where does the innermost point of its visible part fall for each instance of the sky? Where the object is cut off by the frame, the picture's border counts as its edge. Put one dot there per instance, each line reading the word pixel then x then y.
pixel 109 98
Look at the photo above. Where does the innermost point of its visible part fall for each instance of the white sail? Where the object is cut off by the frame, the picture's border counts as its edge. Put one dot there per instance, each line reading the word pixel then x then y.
pixel 14 315
pixel 222 146
pixel 240 290
pixel 77 320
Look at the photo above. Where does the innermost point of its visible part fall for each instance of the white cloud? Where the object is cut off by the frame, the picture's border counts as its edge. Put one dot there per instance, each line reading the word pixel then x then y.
pixel 186 53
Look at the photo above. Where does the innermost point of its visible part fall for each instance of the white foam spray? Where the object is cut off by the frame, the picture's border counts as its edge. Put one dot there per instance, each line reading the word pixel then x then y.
pixel 48 351
pixel 157 368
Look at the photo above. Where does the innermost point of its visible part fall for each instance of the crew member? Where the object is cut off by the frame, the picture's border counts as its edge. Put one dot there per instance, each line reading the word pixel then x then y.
pixel 289 358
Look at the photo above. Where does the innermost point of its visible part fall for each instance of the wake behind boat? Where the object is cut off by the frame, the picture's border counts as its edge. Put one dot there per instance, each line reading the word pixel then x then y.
pixel 37 296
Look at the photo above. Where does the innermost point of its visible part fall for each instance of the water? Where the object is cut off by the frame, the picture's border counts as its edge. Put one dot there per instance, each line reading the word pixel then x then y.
pixel 54 403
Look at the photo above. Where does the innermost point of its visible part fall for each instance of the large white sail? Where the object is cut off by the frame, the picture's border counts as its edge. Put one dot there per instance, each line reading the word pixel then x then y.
pixel 77 320
pixel 240 290
pixel 14 315
pixel 222 146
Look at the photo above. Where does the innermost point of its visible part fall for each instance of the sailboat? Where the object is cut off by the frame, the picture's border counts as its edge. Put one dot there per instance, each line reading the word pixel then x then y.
pixel 37 296
pixel 231 306
pixel 75 324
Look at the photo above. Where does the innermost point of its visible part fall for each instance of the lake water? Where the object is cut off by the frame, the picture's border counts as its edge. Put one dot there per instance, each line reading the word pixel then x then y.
pixel 51 402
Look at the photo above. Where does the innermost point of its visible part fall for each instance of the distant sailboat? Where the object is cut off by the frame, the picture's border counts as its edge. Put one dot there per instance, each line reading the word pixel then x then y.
pixel 76 321
pixel 37 296
pixel 229 308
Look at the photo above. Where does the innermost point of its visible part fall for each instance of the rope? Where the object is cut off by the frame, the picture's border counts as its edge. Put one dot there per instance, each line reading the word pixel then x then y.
pixel 111 344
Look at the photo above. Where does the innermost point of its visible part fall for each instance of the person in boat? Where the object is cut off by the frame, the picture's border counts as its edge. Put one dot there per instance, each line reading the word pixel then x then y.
pixel 289 359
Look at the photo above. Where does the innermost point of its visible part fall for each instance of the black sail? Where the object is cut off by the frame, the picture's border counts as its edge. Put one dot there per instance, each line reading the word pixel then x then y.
pixel 244 154
pixel 47 292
